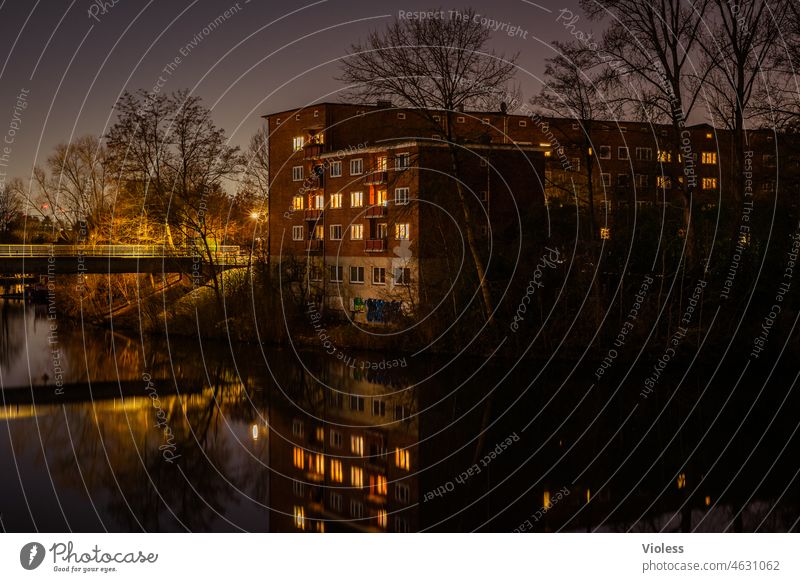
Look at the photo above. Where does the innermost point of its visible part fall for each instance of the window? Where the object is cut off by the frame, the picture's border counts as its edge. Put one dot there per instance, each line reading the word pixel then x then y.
pixel 356 167
pixel 381 198
pixel 605 233
pixel 319 465
pixel 575 126
pixel 623 180
pixel 437 118
pixel 319 232
pixel 336 502
pixel 486 121
pixel 642 180
pixel 604 152
pixel 381 164
pixel 297 232
pixel 356 509
pixel 297 143
pixel 357 445
pixel 402 276
pixel 356 276
pixel 400 196
pixel 356 476
pixel 298 488
pixel 337 274
pixel 378 485
pixel 297 117
pixel 380 234
pixel 297 174
pixel 383 518
pixel 356 199
pixel 523 123
pixel 401 116
pixel 484 196
pixel 709 183
pixel 315 274
pixel 336 232
pixel 644 154
pixel 399 412
pixel 378 406
pixel 460 119
pixel 664 156
pixel 575 164
pixel 606 179
pixel 297 203
pixel 357 232
pixel 709 158
pixel 664 182
pixel 402 231
pixel 316 113
pixel 336 470
pixel 299 517
pixel 402 161
pixel 402 492
pixel 357 402
pixel 336 200
pixel 378 276
pixel 297 428
pixel 319 202
pixel 336 169
pixel 622 153
pixel 402 458
pixel 299 458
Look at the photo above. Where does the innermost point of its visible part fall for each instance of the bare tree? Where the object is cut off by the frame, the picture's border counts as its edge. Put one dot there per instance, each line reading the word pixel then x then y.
pixel 576 80
pixel 656 44
pixel 437 66
pixel 10 207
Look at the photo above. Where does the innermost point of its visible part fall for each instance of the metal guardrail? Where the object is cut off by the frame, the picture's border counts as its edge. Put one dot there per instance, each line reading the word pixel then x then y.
pixel 228 253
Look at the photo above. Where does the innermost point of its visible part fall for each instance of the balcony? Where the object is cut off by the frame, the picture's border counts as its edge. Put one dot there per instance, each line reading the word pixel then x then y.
pixel 313 150
pixel 377 211
pixel 375 245
pixel 314 246
pixel 374 178
pixel 314 214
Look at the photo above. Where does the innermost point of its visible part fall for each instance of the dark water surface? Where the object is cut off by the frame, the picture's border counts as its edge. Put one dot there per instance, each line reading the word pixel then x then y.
pixel 102 431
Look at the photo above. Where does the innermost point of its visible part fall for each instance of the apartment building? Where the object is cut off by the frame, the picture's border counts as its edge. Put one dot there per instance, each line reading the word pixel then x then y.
pixel 365 214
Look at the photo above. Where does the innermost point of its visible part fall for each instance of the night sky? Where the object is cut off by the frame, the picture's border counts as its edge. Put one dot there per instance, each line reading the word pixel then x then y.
pixel 76 58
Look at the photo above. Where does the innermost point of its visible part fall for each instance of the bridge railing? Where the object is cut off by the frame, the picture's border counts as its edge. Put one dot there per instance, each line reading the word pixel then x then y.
pixel 224 253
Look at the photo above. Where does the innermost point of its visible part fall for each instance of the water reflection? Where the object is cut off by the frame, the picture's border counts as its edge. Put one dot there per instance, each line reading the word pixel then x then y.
pixel 265 440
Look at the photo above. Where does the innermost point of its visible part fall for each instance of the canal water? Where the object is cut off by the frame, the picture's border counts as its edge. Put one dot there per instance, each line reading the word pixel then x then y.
pixel 108 431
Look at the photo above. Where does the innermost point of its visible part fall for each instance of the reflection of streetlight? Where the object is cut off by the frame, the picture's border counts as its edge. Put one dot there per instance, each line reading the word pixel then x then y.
pixel 254 215
pixel 255 432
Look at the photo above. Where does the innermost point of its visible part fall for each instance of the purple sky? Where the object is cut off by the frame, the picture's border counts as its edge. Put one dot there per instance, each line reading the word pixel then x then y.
pixel 265 56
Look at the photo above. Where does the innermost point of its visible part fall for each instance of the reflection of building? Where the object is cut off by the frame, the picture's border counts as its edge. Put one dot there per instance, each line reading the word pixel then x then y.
pixel 348 465
pixel 359 194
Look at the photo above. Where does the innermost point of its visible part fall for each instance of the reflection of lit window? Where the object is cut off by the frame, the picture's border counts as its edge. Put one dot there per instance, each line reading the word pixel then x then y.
pixel 320 527
pixel 320 434
pixel 377 485
pixel 336 471
pixel 299 517
pixel 299 488
pixel 744 239
pixel 336 502
pixel 400 525
pixel 299 458
pixel 356 477
pixel 356 509
pixel 297 428
pixel 357 445
pixel 320 464
pixel 402 492
pixel 681 480
pixel 382 518
pixel 546 500
pixel 336 436
pixel 402 458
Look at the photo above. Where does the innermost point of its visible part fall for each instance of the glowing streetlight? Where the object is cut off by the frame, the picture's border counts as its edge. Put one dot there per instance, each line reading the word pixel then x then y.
pixel 254 215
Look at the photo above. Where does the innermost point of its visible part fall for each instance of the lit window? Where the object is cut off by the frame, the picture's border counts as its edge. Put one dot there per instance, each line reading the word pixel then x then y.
pixel 299 517
pixel 709 135
pixel 319 232
pixel 605 233
pixel 319 202
pixel 297 233
pixel 709 158
pixel 382 518
pixel 378 276
pixel 381 198
pixel 356 276
pixel 709 183
pixel 664 182
pixel 402 458
pixel 357 445
pixel 297 203
pixel 336 169
pixel 356 199
pixel 682 481
pixel 297 143
pixel 356 167
pixel 382 164
pixel 400 196
pixel 664 156
pixel 297 174
pixel 299 458
pixel 336 471
pixel 336 232
pixel 402 231
pixel 401 161
pixel 336 200
pixel 356 476
pixel 357 232
pixel 546 500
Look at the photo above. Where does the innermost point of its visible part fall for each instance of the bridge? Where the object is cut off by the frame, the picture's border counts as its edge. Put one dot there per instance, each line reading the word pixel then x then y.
pixel 27 259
